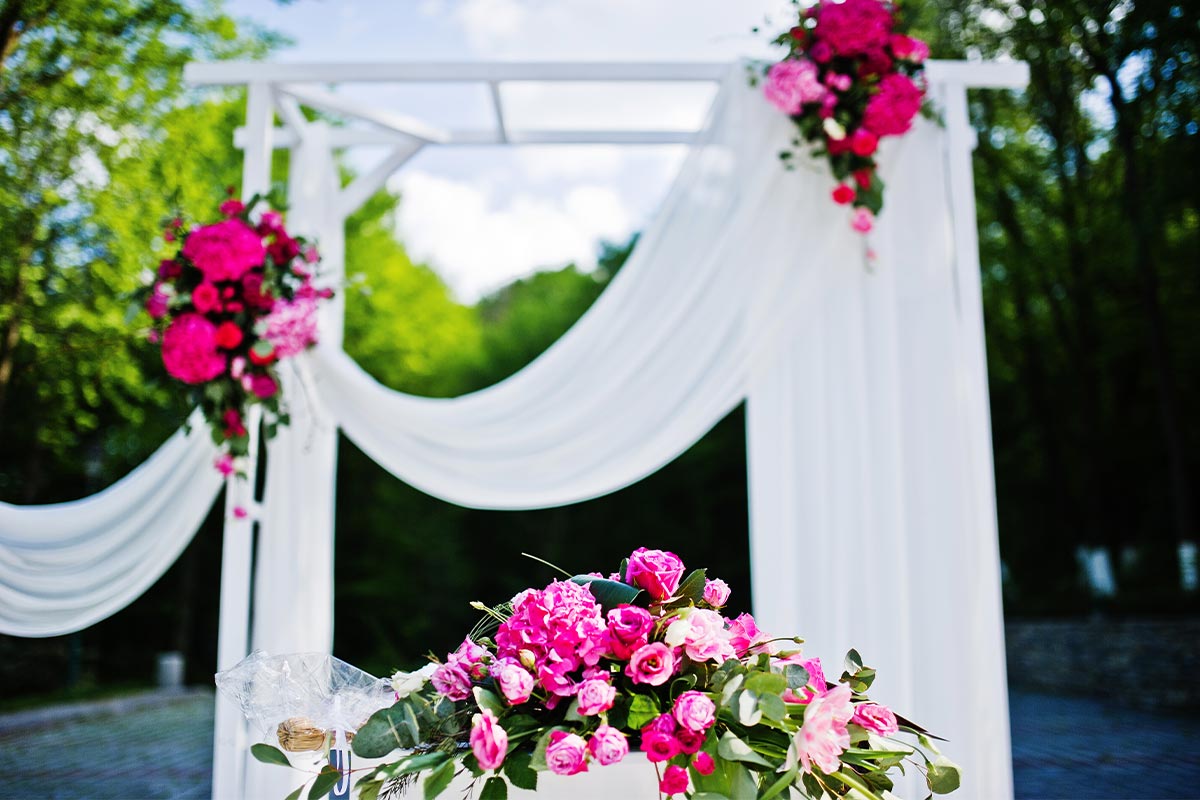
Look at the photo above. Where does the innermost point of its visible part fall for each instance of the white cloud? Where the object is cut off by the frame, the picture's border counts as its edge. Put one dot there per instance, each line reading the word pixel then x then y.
pixel 478 241
pixel 485 21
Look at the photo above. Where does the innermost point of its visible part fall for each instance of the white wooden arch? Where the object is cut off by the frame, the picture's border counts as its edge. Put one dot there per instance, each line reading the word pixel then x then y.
pixel 320 206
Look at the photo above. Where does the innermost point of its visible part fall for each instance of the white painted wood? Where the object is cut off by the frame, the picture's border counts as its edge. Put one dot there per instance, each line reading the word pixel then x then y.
pixel 352 137
pixel 498 108
pixel 289 110
pixel 979 74
pixel 400 123
pixel 233 638
pixel 365 185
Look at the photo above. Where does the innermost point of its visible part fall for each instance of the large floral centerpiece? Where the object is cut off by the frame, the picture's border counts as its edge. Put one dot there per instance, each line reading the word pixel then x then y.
pixel 851 76
pixel 235 299
pixel 568 678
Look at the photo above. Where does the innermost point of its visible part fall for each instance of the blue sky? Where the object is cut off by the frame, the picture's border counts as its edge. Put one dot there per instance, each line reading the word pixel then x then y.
pixel 483 216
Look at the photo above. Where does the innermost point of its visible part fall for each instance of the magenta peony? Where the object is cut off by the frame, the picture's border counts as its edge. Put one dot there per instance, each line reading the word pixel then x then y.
pixel 224 251
pixel 674 780
pixel 890 112
pixel 853 27
pixel 189 349
pixel 292 326
pixel 792 83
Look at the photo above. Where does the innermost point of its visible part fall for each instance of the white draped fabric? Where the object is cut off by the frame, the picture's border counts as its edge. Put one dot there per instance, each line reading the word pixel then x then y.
pixel 64 567
pixel 872 515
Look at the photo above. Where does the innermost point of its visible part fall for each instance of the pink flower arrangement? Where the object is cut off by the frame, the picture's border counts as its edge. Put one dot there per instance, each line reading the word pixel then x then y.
pixel 231 302
pixel 578 672
pixel 849 78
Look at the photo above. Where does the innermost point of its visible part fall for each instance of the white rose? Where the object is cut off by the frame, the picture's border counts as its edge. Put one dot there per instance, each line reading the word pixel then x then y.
pixel 405 683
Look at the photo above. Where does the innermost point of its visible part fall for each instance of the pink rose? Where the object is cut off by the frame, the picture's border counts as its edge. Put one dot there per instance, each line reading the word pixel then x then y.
pixel 716 592
pixel 263 386
pixel 489 742
pixel 224 251
pixel 906 48
pixel 224 464
pixel 745 636
pixel 863 220
pixel 838 81
pixel 689 741
pixel 702 635
pixel 663 723
pixel 674 780
pixel 793 83
pixel 704 763
pixel 156 303
pixel 232 208
pixel 229 335
pixel 863 142
pixel 876 718
pixel 652 664
pixel 891 110
pixel 823 737
pixel 694 711
pixel 628 628
pixel 608 745
pixel 853 26
pixel 168 268
pixel 566 754
pixel 595 696
pixel 843 194
pixel 452 681
pixel 659 746
pixel 514 681
pixel 270 222
pixel 821 51
pixel 471 656
pixel 189 349
pixel 205 298
pixel 656 572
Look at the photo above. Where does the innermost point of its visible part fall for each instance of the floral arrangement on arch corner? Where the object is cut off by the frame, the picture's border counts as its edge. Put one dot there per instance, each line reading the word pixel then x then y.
pixel 235 299
pixel 851 76
pixel 573 675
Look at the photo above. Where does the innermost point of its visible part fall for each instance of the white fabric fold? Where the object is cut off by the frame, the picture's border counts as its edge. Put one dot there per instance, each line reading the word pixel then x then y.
pixel 66 566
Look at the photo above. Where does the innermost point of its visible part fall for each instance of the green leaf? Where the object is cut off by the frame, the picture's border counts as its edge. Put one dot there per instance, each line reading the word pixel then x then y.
pixel 772 707
pixel 324 783
pixel 767 683
pixel 796 676
pixel 538 761
pixel 296 794
pixel 388 729
pixel 494 789
pixel 488 700
pixel 731 748
pixel 778 786
pixel 367 790
pixel 518 771
pixel 609 594
pixel 269 755
pixel 642 710
pixel 692 588
pixel 438 780
pixel 746 708
pixel 943 776
pixel 413 763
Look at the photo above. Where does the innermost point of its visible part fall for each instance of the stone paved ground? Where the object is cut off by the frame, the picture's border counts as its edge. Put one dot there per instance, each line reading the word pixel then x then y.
pixel 161 747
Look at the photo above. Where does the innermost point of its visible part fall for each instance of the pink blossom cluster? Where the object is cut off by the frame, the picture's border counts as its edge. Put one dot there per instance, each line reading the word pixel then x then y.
pixel 848 81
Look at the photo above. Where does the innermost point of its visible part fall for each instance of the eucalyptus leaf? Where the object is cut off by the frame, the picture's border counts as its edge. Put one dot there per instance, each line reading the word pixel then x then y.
pixel 767 683
pixel 609 594
pixel 438 780
pixel 269 755
pixel 747 710
pixel 772 707
pixel 732 748
pixel 943 776
pixel 295 795
pixel 324 783
pixel 796 676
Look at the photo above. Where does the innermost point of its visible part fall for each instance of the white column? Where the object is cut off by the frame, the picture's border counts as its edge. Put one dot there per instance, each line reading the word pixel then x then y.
pixel 293 582
pixel 229 739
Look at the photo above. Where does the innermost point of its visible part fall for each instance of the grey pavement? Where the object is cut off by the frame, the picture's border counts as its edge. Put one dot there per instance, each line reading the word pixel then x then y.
pixel 160 746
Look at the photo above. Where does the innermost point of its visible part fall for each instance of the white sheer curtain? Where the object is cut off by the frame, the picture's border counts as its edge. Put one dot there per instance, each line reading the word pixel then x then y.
pixel 64 567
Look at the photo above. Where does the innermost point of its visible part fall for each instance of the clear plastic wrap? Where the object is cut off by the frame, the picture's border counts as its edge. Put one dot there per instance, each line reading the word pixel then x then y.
pixel 315 687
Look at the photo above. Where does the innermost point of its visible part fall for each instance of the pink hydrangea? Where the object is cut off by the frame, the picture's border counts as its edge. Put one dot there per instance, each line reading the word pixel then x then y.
pixel 292 326
pixel 608 745
pixel 554 632
pixel 876 718
pixel 656 572
pixel 224 251
pixel 566 754
pixel 489 741
pixel 891 110
pixel 852 27
pixel 793 83
pixel 702 635
pixel 823 737
pixel 189 349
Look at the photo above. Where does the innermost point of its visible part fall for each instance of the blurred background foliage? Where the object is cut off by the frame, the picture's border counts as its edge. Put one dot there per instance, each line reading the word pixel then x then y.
pixel 1090 239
